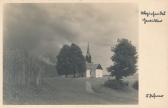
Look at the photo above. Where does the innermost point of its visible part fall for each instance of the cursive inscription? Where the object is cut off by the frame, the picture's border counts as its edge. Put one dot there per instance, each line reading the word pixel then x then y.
pixel 152 16
pixel 154 95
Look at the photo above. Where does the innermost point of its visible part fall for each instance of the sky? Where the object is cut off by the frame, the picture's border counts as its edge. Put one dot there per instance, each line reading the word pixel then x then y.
pixel 44 28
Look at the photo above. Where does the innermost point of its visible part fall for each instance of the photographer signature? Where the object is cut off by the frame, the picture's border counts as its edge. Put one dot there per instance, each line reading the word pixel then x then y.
pixel 154 95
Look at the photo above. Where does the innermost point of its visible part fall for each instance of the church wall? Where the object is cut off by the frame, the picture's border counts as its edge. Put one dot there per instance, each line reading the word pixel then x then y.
pixel 87 73
pixel 93 74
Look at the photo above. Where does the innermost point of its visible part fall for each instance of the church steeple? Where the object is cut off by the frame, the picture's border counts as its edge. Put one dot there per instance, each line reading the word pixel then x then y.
pixel 88 55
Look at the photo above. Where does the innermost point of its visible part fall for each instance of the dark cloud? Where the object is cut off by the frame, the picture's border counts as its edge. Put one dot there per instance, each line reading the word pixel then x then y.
pixel 28 26
pixel 43 28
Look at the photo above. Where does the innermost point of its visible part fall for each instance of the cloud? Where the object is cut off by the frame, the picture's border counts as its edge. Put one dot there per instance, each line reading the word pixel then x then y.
pixel 44 28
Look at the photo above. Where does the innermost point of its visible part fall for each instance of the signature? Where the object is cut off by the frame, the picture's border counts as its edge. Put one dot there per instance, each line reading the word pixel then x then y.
pixel 154 95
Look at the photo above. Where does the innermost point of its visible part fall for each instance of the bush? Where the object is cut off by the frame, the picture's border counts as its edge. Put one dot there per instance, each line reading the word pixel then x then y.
pixel 116 84
pixel 136 85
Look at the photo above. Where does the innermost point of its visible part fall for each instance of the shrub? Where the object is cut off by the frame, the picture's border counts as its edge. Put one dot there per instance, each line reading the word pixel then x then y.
pixel 116 84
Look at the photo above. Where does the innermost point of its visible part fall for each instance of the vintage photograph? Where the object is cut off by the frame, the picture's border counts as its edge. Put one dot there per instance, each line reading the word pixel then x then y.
pixel 70 54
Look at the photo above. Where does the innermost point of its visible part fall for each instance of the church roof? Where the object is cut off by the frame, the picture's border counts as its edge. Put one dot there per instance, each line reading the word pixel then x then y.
pixel 88 55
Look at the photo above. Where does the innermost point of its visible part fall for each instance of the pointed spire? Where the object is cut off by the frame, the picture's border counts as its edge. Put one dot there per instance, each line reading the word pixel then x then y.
pixel 88 55
pixel 88 52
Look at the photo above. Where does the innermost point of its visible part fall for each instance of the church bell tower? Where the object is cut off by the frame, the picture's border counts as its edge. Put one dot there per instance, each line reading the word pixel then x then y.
pixel 88 55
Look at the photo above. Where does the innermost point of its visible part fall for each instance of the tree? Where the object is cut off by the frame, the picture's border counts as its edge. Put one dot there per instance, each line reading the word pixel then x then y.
pixel 78 60
pixel 124 58
pixel 64 61
pixel 71 61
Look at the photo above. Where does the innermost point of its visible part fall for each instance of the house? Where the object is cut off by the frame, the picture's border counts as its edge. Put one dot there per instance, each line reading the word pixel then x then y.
pixel 92 70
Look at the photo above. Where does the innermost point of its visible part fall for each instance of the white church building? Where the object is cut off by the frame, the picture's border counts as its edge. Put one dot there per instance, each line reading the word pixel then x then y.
pixel 92 70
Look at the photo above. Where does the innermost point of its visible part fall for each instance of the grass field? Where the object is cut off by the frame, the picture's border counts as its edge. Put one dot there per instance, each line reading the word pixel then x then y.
pixel 75 91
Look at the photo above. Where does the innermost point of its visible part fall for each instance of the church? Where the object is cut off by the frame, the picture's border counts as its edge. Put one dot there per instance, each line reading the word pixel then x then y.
pixel 92 70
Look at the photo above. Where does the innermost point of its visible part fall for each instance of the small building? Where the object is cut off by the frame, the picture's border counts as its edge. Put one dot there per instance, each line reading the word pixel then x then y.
pixel 92 70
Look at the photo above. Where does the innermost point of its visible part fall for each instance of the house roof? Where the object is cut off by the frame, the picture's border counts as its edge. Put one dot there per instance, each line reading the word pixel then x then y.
pixel 94 66
pixel 98 66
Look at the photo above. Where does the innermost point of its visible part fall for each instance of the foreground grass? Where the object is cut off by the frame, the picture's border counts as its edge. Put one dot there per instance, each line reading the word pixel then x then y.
pixel 74 91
